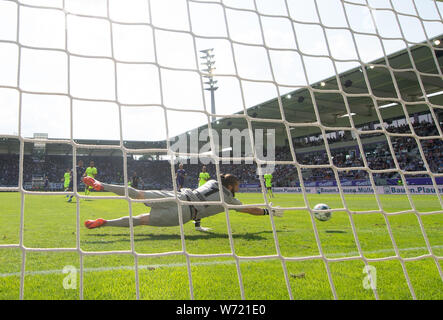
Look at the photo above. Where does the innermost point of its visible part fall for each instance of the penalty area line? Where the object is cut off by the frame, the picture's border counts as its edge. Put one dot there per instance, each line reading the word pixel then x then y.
pixel 177 265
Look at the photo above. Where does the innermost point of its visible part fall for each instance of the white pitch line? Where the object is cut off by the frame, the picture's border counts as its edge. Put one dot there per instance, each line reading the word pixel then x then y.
pixel 355 253
pixel 175 265
pixel 102 269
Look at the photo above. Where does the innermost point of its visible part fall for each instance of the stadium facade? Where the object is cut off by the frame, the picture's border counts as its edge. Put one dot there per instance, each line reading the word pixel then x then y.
pixel 395 90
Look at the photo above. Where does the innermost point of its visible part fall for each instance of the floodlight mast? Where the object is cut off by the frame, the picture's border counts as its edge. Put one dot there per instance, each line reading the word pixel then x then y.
pixel 209 62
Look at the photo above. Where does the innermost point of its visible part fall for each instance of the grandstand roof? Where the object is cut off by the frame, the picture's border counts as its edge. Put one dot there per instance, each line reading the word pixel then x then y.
pixel 330 102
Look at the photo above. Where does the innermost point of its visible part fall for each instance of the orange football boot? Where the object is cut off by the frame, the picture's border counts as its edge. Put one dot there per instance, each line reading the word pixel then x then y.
pixel 91 224
pixel 89 181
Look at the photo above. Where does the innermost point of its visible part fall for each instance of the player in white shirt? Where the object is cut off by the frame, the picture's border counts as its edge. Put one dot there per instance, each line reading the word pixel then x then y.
pixel 165 214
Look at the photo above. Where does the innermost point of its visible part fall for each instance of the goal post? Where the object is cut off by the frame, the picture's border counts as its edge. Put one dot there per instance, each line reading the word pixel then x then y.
pixel 298 89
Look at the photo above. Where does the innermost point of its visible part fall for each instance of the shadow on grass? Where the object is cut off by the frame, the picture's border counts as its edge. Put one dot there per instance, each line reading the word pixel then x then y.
pixel 335 231
pixel 168 237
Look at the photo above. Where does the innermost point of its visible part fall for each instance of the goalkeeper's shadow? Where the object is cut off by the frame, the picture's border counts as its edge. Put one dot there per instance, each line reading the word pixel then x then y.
pixel 168 237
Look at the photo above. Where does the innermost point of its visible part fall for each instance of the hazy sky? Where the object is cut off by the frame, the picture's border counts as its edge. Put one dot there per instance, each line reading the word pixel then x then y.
pixel 124 61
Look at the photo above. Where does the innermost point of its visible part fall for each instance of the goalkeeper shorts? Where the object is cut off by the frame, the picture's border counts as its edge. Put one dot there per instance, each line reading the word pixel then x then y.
pixel 165 214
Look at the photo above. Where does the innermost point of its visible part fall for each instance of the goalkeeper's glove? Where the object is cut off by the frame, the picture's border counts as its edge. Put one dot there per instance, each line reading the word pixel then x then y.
pixel 275 211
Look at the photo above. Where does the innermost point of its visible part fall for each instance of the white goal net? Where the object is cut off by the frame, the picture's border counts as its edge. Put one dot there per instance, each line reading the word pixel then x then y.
pixel 333 97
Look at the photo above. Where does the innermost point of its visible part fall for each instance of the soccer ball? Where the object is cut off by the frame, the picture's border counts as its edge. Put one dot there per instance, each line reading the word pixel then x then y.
pixel 322 216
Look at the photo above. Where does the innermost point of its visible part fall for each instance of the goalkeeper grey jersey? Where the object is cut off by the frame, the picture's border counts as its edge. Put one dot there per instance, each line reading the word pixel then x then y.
pixel 210 191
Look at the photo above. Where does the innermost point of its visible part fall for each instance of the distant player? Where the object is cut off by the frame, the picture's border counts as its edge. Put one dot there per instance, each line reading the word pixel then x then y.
pixel 46 184
pixel 180 177
pixel 80 173
pixel 91 172
pixel 202 179
pixel 165 214
pixel 134 180
pixel 67 180
pixel 268 183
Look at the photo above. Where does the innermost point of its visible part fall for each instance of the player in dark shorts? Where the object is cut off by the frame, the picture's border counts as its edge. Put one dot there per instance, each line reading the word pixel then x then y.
pixel 46 184
pixel 180 177
pixel 135 180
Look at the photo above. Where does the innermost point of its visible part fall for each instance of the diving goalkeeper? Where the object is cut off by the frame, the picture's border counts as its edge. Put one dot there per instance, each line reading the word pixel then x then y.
pixel 165 214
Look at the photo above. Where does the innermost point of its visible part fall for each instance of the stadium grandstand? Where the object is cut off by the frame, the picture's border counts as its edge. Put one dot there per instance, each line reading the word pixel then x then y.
pixel 52 159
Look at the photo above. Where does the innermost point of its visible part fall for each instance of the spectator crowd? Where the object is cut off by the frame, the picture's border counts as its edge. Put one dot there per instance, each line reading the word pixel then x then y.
pixel 407 152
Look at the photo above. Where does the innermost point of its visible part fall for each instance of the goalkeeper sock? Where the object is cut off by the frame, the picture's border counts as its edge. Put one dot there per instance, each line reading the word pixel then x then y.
pixel 120 190
pixel 123 222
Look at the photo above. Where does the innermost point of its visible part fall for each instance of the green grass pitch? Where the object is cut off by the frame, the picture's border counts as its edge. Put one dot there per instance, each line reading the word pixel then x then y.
pixel 50 222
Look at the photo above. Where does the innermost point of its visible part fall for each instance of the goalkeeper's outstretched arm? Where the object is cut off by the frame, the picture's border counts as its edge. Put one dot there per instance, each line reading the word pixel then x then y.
pixel 260 211
pixel 253 210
